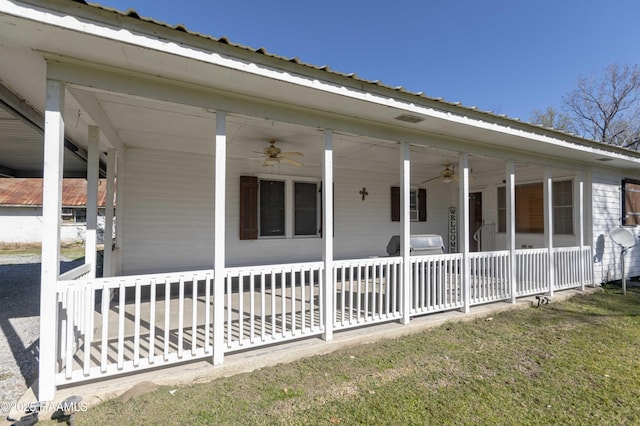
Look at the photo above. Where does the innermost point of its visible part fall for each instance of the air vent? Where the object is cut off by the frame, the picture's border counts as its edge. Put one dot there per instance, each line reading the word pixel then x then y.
pixel 409 118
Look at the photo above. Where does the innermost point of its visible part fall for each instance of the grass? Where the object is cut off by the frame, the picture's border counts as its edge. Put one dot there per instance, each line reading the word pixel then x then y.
pixel 70 250
pixel 574 362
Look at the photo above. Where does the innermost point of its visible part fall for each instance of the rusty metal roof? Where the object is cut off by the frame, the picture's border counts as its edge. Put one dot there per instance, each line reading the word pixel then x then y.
pixel 28 192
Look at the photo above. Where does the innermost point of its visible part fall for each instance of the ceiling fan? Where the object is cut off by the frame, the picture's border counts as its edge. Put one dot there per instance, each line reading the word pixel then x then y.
pixel 273 155
pixel 448 175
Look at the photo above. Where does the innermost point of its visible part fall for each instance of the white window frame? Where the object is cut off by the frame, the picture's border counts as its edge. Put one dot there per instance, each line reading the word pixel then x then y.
pixel 289 205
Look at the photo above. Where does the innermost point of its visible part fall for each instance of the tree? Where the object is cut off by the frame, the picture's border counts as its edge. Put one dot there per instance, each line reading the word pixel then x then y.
pixel 551 118
pixel 607 110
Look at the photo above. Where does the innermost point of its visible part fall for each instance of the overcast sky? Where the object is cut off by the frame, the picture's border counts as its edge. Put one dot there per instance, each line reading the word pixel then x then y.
pixel 505 56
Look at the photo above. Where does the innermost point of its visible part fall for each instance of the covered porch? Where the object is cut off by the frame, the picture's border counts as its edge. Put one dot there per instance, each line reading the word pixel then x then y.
pixel 219 248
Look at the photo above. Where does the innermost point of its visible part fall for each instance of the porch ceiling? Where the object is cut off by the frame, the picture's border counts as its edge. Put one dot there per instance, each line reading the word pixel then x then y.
pixel 126 45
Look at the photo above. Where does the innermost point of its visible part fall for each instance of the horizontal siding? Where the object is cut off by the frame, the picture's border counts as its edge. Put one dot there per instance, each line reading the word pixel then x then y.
pixel 168 215
pixel 607 215
pixel 168 211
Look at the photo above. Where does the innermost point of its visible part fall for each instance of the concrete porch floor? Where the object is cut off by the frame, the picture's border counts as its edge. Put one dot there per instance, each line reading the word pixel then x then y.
pixel 240 362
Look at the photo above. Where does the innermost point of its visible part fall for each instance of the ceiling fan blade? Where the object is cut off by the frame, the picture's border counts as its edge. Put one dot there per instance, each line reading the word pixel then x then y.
pixel 291 154
pixel 292 162
pixel 429 180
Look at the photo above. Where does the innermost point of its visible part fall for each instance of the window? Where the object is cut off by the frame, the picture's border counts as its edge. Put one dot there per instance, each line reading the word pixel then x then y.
pixel 630 202
pixel 305 208
pixel 271 208
pixel 530 208
pixel 417 204
pixel 74 215
pixel 563 207
pixel 278 208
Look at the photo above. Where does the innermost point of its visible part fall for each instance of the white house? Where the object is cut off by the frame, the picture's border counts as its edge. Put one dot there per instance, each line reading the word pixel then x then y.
pixel 224 243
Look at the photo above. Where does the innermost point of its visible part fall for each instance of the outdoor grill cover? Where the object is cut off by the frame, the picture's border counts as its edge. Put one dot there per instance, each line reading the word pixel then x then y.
pixel 420 244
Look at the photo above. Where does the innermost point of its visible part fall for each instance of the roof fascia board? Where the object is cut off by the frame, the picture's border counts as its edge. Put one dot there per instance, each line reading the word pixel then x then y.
pixel 113 30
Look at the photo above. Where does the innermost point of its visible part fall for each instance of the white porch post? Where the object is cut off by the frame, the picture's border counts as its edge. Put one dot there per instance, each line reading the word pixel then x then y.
pixel 91 237
pixel 581 226
pixel 405 236
pixel 588 222
pixel 219 237
pixel 510 191
pixel 464 229
pixel 120 159
pixel 327 234
pixel 108 213
pixel 548 226
pixel 51 211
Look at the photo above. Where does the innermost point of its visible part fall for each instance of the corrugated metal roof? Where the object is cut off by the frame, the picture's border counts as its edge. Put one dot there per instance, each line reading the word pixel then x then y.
pixel 28 192
pixel 448 104
pixel 181 28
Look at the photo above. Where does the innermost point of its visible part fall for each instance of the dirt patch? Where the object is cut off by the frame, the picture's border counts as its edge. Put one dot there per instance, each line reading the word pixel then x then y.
pixel 139 389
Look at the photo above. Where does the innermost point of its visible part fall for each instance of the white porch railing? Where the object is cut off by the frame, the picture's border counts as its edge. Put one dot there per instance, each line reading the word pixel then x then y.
pixel 77 273
pixel 153 320
pixel 273 303
pixel 79 320
pixel 532 268
pixel 489 280
pixel 367 291
pixel 436 283
pixel 127 338
pixel 569 263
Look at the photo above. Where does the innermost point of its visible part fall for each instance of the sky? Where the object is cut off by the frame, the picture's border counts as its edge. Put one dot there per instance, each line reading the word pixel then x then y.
pixel 506 56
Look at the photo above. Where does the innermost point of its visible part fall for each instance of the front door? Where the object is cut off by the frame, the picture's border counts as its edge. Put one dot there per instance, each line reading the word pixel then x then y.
pixel 475 219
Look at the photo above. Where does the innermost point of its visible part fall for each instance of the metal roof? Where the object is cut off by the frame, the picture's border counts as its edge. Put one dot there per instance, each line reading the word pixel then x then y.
pixel 25 192
pixel 457 105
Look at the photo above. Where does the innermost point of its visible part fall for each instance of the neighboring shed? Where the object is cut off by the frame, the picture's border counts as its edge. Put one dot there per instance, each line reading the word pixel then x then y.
pixel 21 210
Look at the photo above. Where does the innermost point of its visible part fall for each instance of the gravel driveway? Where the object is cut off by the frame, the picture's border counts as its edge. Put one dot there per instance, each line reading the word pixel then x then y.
pixel 20 322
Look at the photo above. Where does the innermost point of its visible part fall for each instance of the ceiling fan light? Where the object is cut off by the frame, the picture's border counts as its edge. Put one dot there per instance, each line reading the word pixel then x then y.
pixel 447 179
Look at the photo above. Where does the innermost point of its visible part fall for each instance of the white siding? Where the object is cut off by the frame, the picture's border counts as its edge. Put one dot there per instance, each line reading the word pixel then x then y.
pixel 168 211
pixel 607 212
pixel 23 225
pixel 168 214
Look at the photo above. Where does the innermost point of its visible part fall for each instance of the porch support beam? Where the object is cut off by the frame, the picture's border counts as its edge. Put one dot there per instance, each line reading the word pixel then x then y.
pixel 548 225
pixel 219 261
pixel 108 213
pixel 580 184
pixel 91 237
pixel 463 225
pixel 510 191
pixel 98 79
pixel 405 235
pixel 327 234
pixel 90 103
pixel 51 211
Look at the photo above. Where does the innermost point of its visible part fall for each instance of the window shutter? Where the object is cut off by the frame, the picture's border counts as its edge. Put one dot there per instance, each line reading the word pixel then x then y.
pixel 422 205
pixel 248 208
pixel 395 204
pixel 630 202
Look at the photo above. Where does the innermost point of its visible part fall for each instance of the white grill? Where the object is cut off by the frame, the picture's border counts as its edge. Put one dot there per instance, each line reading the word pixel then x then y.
pixel 419 244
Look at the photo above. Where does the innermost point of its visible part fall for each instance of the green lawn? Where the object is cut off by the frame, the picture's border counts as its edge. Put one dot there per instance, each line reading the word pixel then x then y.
pixel 574 362
pixel 70 251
